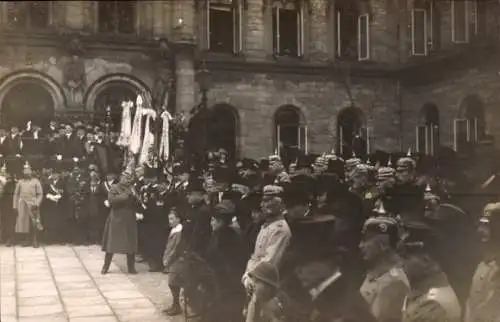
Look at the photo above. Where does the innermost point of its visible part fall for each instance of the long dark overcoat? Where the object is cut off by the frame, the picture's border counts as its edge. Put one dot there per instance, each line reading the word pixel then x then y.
pixel 120 231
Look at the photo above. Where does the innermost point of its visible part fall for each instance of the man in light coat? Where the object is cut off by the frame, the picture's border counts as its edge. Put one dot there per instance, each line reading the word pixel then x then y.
pixel 28 196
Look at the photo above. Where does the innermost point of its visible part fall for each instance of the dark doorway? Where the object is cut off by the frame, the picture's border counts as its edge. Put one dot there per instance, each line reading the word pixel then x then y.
pixel 222 130
pixel 349 132
pixel 289 133
pixel 473 110
pixel 112 96
pixel 27 101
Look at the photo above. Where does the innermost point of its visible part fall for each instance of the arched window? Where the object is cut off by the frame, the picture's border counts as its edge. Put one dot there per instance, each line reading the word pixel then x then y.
pixel 112 96
pixel 352 135
pixel 470 127
pixel 27 101
pixel 222 129
pixel 290 132
pixel 427 132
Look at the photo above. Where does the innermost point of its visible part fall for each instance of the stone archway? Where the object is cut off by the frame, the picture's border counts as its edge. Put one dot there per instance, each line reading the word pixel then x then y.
pixel 112 96
pixel 110 91
pixel 350 132
pixel 29 96
pixel 222 128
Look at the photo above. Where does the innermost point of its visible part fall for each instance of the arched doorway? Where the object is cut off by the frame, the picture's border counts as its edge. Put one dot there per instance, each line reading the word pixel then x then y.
pixel 351 136
pixel 27 101
pixel 222 129
pixel 427 131
pixel 112 96
pixel 290 133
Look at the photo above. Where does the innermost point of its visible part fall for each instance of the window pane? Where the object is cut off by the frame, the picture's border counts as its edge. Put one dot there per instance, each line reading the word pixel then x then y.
pixel 288 29
pixel 106 18
pixel 363 37
pixel 17 14
pixel 348 25
pixel 461 134
pixel 221 29
pixel 275 31
pixel 126 16
pixel 39 14
pixel 421 138
pixel 459 19
pixel 289 135
pixel 419 32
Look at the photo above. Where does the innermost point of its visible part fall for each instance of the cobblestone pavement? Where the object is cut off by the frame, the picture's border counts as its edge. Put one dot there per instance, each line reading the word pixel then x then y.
pixel 64 283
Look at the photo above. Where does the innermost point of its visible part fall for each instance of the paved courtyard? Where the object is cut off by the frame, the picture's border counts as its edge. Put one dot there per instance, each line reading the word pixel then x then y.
pixel 64 283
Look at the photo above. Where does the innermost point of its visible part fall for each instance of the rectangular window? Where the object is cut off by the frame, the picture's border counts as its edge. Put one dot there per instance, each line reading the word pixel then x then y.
pixel 117 17
pixel 346 33
pixel 29 14
pixel 459 21
pixel 472 130
pixel 427 139
pixel 460 134
pixel 287 24
pixel 419 32
pixel 223 26
pixel 364 37
pixel 477 23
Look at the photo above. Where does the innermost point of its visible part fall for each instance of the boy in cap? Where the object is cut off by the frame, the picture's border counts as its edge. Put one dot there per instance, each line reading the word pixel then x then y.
pixel 386 284
pixel 272 242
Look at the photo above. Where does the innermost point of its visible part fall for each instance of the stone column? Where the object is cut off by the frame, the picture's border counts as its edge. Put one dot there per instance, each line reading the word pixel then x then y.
pixel 185 87
pixel 319 33
pixel 255 36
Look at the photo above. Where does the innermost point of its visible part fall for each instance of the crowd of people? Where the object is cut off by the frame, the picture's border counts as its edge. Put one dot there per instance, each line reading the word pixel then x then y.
pixel 229 228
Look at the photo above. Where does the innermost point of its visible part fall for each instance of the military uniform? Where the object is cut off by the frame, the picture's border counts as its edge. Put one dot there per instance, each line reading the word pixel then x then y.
pixel 386 284
pixel 484 296
pixel 436 304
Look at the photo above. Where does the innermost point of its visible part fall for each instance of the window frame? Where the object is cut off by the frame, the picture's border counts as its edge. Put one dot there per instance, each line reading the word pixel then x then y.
pixel 368 38
pixel 236 10
pixel 300 28
pixel 426 32
pixel 116 31
pixel 454 22
pixel 28 26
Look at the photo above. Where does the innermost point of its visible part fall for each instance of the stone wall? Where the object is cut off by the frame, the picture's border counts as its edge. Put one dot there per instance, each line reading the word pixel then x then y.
pixel 448 96
pixel 256 97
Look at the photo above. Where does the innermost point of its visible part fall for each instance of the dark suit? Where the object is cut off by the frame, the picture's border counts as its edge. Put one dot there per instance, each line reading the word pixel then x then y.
pixel 54 218
pixel 34 149
pixel 14 147
pixel 97 212
pixel 101 157
pixel 8 216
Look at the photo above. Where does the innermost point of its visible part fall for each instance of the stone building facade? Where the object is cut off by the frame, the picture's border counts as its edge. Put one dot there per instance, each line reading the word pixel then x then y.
pixel 274 74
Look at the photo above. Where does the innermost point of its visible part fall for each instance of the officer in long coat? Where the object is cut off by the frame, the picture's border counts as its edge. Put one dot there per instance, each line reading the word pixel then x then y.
pixel 28 197
pixel 386 284
pixel 272 242
pixel 120 230
pixel 484 297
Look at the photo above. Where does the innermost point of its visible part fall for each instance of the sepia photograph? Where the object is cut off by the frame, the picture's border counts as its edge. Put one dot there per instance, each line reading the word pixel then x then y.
pixel 250 161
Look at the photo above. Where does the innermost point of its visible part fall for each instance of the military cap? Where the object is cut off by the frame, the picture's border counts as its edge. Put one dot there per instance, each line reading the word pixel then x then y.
pixel 406 163
pixel 352 162
pixel 383 224
pixel 385 173
pixel 272 190
pixel 242 189
pixel 274 157
pixel 321 161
